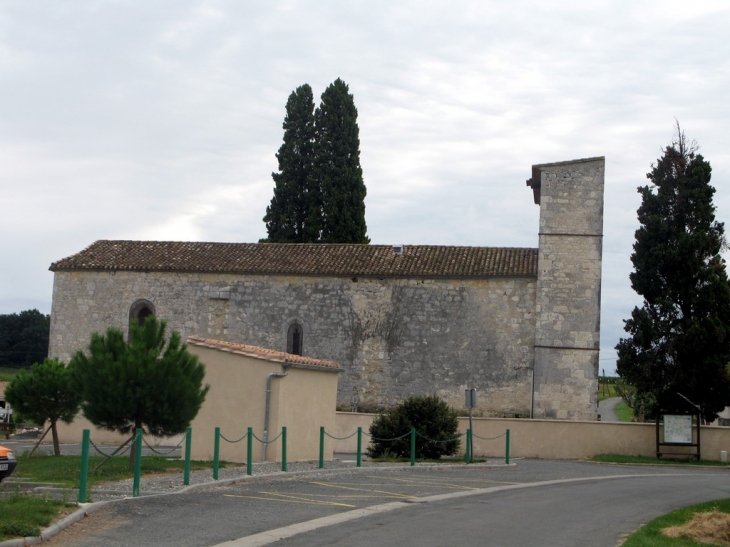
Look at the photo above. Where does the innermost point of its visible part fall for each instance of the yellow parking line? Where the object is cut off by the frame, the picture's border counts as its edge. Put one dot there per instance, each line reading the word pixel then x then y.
pixel 391 494
pixel 310 502
pixel 350 497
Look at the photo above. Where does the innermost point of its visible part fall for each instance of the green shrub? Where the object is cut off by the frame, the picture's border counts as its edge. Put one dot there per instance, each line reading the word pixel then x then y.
pixel 435 422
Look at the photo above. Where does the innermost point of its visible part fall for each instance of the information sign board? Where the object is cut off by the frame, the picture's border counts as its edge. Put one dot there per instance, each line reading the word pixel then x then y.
pixel 677 429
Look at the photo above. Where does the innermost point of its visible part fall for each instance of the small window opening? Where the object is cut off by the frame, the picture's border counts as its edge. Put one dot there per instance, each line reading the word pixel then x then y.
pixel 140 311
pixel 294 339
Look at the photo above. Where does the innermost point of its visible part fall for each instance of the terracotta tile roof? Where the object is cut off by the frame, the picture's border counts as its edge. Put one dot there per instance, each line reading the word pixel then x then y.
pixel 263 353
pixel 303 259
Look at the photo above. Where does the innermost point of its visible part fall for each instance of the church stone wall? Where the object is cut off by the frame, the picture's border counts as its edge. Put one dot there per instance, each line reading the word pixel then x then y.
pixel 394 337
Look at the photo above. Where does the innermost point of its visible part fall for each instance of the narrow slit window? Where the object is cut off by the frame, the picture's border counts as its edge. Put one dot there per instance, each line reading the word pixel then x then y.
pixel 294 339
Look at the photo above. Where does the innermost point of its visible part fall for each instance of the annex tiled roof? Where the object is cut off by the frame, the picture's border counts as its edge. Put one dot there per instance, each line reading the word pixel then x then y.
pixel 263 353
pixel 303 259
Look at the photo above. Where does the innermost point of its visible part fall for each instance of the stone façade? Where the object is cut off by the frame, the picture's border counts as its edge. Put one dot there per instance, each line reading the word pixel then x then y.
pixel 523 332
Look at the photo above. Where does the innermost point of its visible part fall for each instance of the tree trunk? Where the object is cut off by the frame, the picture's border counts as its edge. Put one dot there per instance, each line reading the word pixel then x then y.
pixel 56 445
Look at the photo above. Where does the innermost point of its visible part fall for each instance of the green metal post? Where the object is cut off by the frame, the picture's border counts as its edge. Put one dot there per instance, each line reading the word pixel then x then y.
pixel 283 448
pixel 216 452
pixel 359 446
pixel 468 446
pixel 321 447
pixel 188 444
pixel 413 446
pixel 249 451
pixel 506 452
pixel 137 463
pixel 84 466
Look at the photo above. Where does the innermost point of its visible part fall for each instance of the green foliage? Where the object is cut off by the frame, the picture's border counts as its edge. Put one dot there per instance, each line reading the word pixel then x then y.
pixel 293 215
pixel 337 167
pixel 433 419
pixel 606 391
pixel 23 515
pixel 66 470
pixel 44 393
pixel 7 374
pixel 319 193
pixel 624 412
pixel 680 338
pixel 147 383
pixel 24 338
pixel 650 534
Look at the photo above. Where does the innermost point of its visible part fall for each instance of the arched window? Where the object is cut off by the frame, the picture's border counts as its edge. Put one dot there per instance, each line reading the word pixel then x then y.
pixel 294 339
pixel 140 311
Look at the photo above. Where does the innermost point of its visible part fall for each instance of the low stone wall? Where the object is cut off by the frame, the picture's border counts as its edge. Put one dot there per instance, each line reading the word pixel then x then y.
pixel 549 439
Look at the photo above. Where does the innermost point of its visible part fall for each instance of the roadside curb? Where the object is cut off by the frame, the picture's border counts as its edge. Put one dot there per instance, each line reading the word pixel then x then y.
pixel 672 465
pixel 88 508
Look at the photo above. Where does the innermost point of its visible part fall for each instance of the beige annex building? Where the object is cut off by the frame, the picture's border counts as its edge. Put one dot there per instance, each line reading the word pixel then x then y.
pixel 521 325
pixel 255 387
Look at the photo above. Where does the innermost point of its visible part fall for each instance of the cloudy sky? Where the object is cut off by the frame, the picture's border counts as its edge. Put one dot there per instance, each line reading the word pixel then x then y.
pixel 160 120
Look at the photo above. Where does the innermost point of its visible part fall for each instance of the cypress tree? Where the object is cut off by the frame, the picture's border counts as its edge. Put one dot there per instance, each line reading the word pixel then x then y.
pixel 680 338
pixel 288 216
pixel 337 170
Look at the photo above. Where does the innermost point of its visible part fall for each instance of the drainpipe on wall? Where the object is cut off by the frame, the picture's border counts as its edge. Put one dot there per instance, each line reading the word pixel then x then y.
pixel 268 400
pixel 532 394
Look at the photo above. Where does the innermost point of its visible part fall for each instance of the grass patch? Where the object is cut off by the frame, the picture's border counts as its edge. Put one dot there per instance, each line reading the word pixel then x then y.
pixel 624 412
pixel 618 458
pixel 606 391
pixel 22 515
pixel 7 373
pixel 650 534
pixel 66 470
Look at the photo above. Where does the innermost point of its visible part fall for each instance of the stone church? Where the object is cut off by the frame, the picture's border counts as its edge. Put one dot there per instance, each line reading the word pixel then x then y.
pixel 519 325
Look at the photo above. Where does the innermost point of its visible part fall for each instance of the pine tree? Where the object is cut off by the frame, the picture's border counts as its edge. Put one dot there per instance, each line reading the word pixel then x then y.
pixel 337 167
pixel 288 216
pixel 680 337
pixel 44 394
pixel 148 383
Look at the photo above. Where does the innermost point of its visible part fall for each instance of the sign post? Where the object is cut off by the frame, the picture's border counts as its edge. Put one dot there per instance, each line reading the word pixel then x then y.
pixel 471 402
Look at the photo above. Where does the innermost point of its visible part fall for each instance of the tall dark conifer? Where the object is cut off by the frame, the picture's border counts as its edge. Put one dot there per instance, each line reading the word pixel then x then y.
pixel 288 216
pixel 337 167
pixel 680 337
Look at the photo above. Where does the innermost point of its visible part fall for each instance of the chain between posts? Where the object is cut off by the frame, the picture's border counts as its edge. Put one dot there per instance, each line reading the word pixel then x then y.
pixel 166 452
pixel 269 441
pixel 117 452
pixel 340 438
pixel 443 441
pixel 487 438
pixel 236 441
pixel 386 440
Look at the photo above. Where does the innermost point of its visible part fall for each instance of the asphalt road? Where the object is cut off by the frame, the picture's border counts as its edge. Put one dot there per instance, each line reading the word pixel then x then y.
pixel 607 409
pixel 586 504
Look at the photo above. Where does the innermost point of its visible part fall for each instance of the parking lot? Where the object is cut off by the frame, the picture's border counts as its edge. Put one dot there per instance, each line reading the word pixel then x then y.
pixel 247 508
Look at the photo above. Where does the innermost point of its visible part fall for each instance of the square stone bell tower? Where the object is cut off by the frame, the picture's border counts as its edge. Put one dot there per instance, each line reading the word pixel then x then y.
pixel 568 300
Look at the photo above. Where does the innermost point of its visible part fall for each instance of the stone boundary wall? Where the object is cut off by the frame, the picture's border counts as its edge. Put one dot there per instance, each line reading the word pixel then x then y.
pixel 549 439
